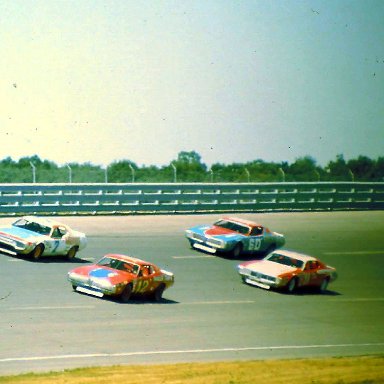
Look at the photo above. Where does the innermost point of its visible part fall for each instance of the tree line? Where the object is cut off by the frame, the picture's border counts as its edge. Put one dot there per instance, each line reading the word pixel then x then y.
pixel 188 167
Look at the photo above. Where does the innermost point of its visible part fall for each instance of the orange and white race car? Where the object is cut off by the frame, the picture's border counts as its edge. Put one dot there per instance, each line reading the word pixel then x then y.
pixel 289 270
pixel 121 276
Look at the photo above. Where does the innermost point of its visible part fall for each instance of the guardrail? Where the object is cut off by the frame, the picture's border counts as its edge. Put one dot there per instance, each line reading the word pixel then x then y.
pixel 57 199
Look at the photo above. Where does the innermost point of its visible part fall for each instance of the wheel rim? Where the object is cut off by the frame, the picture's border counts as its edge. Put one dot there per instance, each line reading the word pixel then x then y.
pixel 237 251
pixel 126 295
pixel 71 254
pixel 38 251
pixel 292 285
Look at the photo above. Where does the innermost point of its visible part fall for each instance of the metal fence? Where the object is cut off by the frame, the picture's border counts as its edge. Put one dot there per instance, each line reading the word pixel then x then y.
pixel 135 198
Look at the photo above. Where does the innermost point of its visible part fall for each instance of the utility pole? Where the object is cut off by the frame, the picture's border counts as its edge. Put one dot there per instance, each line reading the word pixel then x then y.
pixel 174 173
pixel 133 172
pixel 33 172
pixel 70 173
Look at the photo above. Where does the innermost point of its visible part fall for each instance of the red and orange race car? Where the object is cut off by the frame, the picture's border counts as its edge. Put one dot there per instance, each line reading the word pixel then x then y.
pixel 121 276
pixel 289 270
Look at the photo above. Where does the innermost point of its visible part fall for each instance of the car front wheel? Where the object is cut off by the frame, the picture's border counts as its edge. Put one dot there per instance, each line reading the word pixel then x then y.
pixel 236 252
pixel 292 285
pixel 126 294
pixel 37 252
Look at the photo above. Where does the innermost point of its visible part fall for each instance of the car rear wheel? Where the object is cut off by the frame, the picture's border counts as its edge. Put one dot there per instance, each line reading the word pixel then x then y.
pixel 324 285
pixel 292 285
pixel 72 253
pixel 37 252
pixel 158 294
pixel 236 252
pixel 126 294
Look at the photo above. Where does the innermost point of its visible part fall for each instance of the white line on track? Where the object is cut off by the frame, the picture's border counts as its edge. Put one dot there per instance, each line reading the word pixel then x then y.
pixel 50 308
pixel 354 299
pixel 218 302
pixel 194 257
pixel 191 351
pixel 355 253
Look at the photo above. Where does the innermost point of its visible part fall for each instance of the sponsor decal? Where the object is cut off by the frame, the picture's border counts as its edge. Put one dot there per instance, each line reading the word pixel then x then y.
pixel 102 273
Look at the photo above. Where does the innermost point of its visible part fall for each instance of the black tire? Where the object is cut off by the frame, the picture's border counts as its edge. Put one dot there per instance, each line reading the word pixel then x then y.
pixel 237 251
pixel 158 294
pixel 37 252
pixel 324 285
pixel 72 253
pixel 126 294
pixel 74 287
pixel 292 285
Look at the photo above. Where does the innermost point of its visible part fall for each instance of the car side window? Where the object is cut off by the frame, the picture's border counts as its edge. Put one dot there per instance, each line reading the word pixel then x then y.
pixel 256 231
pixel 311 265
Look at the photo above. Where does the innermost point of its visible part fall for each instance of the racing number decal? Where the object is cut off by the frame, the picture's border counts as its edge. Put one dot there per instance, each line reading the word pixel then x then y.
pixel 254 244
pixel 141 286
pixel 56 244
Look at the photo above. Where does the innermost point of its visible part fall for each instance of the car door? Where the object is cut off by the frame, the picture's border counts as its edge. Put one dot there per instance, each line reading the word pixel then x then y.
pixel 144 280
pixel 56 245
pixel 256 241
pixel 312 277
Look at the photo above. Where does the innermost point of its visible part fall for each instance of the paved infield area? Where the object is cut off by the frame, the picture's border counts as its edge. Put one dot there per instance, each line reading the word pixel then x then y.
pixel 209 314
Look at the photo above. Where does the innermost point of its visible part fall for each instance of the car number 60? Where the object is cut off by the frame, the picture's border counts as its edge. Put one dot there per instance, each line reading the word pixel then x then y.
pixel 254 244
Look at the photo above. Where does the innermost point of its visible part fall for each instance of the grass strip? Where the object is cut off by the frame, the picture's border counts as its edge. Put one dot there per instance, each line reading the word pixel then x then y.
pixel 343 370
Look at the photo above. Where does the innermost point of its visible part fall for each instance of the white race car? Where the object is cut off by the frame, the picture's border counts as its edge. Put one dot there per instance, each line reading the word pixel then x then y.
pixel 289 270
pixel 39 236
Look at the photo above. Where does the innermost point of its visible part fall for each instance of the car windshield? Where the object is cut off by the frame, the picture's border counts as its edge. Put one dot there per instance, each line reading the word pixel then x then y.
pixel 236 227
pixel 32 226
pixel 285 260
pixel 121 265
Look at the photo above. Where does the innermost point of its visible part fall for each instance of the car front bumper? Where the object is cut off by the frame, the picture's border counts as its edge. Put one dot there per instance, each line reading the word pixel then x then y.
pixel 208 244
pixel 14 247
pixel 259 279
pixel 95 287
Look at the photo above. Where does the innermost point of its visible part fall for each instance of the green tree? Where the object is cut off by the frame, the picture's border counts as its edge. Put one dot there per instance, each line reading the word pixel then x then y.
pixel 363 168
pixel 338 170
pixel 189 167
pixel 304 169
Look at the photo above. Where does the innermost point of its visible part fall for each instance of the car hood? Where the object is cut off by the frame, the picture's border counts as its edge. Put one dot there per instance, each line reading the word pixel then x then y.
pixel 19 233
pixel 269 268
pixel 99 272
pixel 214 231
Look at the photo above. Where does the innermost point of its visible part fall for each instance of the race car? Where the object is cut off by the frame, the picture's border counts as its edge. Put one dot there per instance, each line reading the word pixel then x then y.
pixel 121 276
pixel 234 236
pixel 39 236
pixel 287 270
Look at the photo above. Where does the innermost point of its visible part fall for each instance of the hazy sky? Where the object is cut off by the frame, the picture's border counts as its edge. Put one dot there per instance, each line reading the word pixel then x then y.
pixel 235 81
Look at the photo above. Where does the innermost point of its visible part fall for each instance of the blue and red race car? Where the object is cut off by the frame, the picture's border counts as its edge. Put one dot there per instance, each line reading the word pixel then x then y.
pixel 121 276
pixel 234 236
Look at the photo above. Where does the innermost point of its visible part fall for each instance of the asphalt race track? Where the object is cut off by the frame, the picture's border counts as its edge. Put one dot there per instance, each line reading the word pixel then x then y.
pixel 209 314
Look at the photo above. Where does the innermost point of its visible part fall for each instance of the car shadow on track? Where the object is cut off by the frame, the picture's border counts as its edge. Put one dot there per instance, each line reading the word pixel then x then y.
pixel 308 291
pixel 48 259
pixel 135 299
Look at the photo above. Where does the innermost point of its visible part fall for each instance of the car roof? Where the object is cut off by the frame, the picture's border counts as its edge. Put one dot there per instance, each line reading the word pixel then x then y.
pixel 249 223
pixel 42 220
pixel 128 258
pixel 295 255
